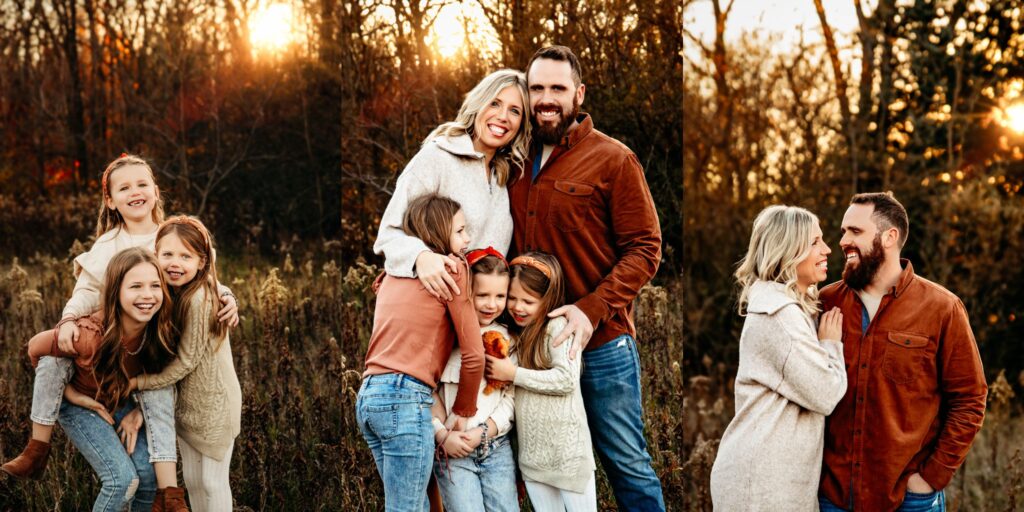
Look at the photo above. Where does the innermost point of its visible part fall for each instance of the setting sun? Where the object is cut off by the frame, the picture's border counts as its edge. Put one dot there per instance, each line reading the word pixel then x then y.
pixel 449 33
pixel 270 28
pixel 1015 118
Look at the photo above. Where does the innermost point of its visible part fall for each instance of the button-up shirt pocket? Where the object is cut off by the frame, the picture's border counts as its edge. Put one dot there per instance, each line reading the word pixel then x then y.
pixel 906 356
pixel 569 204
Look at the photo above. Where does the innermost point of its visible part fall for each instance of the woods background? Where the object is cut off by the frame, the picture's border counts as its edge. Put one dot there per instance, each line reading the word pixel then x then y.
pixel 269 143
pixel 922 99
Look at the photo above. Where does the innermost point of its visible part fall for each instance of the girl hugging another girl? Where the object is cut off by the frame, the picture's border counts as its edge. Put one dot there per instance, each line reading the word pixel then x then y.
pixel 412 339
pixel 479 471
pixel 555 455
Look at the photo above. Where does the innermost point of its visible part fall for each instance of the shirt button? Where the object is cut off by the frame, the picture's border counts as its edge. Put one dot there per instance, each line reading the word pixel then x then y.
pixel 860 399
pixel 857 432
pixel 572 189
pixel 864 366
pixel 530 213
pixel 856 464
pixel 906 342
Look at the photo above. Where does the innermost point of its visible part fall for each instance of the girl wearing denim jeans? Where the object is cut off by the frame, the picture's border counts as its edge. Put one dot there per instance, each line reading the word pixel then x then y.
pixel 413 335
pixel 130 212
pixel 478 471
pixel 130 334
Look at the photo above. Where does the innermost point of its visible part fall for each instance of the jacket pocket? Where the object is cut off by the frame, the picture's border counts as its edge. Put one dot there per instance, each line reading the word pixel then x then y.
pixel 906 356
pixel 570 204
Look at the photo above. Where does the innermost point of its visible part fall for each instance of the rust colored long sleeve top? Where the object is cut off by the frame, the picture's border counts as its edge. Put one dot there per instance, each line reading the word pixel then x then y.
pixel 89 339
pixel 916 393
pixel 413 333
pixel 590 207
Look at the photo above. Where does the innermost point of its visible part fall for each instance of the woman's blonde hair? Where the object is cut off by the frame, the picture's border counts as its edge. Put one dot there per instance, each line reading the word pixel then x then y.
pixel 512 155
pixel 780 240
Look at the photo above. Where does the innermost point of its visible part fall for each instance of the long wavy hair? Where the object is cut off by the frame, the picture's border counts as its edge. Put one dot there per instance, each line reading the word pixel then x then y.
pixel 531 348
pixel 109 218
pixel 110 368
pixel 780 240
pixel 512 156
pixel 429 217
pixel 197 239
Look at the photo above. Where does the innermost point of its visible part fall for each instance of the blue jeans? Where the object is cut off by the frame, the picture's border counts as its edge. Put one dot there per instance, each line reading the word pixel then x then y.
pixel 474 482
pixel 610 384
pixel 912 502
pixel 127 479
pixel 53 373
pixel 393 412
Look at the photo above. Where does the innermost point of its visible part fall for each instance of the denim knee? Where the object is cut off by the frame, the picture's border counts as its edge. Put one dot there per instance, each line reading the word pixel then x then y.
pixel 158 411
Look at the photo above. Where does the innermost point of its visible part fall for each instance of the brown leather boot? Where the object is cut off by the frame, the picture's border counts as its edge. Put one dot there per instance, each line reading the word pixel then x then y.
pixel 170 499
pixel 31 462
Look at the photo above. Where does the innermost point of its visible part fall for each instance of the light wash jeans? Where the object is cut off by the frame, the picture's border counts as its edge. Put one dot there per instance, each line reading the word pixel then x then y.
pixel 912 502
pixel 127 479
pixel 393 412
pixel 53 373
pixel 610 385
pixel 474 482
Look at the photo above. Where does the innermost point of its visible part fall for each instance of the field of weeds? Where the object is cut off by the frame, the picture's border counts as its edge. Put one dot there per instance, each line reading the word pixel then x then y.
pixel 298 353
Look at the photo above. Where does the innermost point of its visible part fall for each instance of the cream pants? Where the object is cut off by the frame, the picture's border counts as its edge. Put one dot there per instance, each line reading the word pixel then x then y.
pixel 206 479
pixel 546 498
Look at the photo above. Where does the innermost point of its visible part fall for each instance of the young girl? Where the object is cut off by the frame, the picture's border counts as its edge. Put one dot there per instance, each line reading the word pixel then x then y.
pixel 555 456
pixel 130 212
pixel 413 335
pixel 209 403
pixel 480 471
pixel 130 334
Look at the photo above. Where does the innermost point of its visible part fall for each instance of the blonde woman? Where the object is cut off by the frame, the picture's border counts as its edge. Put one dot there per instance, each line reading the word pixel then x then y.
pixel 469 160
pixel 790 377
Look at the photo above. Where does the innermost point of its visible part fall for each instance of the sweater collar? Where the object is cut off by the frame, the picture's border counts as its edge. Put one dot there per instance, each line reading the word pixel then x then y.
pixel 461 145
pixel 768 297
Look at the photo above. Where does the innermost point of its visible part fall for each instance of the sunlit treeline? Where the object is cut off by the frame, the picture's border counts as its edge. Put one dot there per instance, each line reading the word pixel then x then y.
pixel 239 128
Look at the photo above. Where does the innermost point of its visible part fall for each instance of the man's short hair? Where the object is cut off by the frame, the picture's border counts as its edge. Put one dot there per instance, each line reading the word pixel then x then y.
pixel 889 213
pixel 563 54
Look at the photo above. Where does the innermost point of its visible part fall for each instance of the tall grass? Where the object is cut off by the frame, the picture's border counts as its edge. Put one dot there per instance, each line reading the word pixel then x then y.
pixel 298 353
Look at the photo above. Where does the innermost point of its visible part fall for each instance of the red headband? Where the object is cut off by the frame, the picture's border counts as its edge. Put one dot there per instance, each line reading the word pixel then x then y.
pixel 530 261
pixel 478 254
pixel 106 173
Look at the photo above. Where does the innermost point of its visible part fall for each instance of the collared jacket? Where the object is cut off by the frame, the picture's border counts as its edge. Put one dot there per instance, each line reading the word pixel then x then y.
pixel 590 208
pixel 788 380
pixel 916 394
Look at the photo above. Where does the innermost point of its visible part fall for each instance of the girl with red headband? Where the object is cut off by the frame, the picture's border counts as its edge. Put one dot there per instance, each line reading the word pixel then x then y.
pixel 478 471
pixel 130 211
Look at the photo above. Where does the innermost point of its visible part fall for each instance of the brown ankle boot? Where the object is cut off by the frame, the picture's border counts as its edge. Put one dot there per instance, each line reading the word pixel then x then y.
pixel 31 462
pixel 170 499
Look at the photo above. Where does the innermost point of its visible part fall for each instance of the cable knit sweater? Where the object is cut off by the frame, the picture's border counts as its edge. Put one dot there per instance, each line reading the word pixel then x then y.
pixel 551 423
pixel 449 167
pixel 208 410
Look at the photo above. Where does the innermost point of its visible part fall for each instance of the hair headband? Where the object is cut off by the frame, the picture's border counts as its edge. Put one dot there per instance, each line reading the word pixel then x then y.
pixel 185 219
pixel 478 254
pixel 106 173
pixel 530 261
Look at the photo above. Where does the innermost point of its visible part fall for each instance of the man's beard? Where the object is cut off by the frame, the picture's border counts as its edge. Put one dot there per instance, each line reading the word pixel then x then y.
pixel 552 135
pixel 860 275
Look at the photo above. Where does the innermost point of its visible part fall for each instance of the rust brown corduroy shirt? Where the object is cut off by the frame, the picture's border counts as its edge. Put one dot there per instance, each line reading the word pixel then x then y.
pixel 413 333
pixel 590 208
pixel 915 399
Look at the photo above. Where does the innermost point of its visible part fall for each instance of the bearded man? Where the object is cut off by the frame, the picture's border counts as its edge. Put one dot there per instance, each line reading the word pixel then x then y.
pixel 583 198
pixel 916 393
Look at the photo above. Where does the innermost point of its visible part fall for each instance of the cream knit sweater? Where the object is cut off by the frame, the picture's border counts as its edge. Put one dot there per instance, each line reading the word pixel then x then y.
pixel 208 409
pixel 551 423
pixel 90 267
pixel 769 458
pixel 449 167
